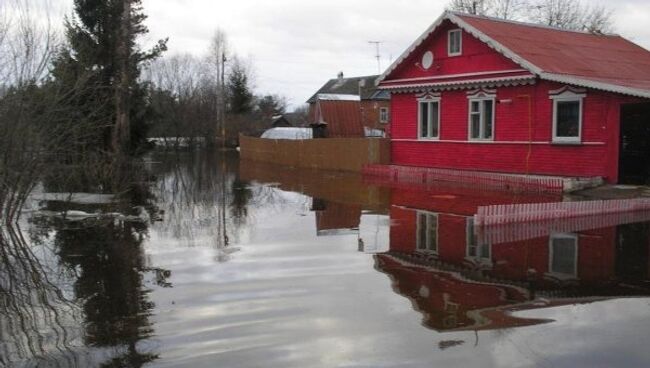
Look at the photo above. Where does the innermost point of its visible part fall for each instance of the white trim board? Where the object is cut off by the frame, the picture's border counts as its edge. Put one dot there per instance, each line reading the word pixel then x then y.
pixel 538 143
pixel 529 78
pixel 461 75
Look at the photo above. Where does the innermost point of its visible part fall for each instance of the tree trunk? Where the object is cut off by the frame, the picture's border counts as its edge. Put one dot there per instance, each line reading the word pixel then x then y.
pixel 121 131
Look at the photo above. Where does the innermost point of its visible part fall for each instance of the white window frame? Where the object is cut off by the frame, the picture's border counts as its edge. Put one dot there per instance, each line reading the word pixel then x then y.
pixel 576 242
pixel 384 115
pixel 469 236
pixel 428 100
pixel 424 245
pixel 460 42
pixel 481 98
pixel 568 96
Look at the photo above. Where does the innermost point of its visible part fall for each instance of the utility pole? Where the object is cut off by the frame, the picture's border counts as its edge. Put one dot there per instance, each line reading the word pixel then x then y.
pixel 223 98
pixel 378 55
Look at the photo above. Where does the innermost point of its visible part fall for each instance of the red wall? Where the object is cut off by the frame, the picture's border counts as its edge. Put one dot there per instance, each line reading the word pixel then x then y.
pixel 511 261
pixel 528 116
pixel 476 57
pixel 514 127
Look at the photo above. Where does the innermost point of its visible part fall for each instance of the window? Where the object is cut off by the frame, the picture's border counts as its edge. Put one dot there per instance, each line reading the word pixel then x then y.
pixel 481 119
pixel 383 115
pixel 564 255
pixel 567 117
pixel 480 252
pixel 455 42
pixel 429 119
pixel 427 232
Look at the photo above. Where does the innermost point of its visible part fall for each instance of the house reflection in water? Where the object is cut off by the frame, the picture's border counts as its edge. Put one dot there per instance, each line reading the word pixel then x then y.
pixel 459 282
pixel 424 239
pixel 334 219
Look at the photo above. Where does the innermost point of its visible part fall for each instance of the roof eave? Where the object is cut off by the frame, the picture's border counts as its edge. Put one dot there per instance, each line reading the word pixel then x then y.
pixel 582 82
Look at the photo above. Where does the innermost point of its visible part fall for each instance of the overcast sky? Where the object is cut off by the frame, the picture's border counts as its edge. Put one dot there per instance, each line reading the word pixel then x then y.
pixel 297 45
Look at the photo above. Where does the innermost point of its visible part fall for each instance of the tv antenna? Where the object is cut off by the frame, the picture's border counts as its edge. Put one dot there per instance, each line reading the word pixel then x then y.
pixel 378 55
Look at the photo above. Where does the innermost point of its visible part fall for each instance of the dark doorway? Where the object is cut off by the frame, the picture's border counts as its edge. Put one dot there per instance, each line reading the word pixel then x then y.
pixel 634 159
pixel 632 261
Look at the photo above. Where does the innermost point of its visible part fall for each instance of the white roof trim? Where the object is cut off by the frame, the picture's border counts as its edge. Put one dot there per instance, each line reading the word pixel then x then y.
pixel 578 81
pixel 337 97
pixel 494 44
pixel 472 82
pixel 413 46
pixel 456 76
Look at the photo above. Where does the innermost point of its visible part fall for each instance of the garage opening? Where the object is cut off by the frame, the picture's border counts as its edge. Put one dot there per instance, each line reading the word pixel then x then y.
pixel 634 158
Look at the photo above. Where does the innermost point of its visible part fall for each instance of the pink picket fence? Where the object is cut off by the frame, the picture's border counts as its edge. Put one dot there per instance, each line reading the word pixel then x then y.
pixel 517 213
pixel 512 232
pixel 424 176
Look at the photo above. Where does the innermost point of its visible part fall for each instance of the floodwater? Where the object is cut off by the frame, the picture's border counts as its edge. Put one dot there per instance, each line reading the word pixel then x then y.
pixel 228 264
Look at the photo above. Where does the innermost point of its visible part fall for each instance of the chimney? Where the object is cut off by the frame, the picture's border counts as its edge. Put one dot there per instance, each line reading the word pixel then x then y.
pixel 340 75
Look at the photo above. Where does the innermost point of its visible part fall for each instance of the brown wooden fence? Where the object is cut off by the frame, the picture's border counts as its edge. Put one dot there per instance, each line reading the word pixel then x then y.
pixel 342 154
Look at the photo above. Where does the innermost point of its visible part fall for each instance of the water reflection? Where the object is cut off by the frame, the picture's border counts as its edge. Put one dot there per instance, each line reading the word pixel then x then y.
pixel 38 321
pixel 76 288
pixel 226 263
pixel 463 278
pixel 202 198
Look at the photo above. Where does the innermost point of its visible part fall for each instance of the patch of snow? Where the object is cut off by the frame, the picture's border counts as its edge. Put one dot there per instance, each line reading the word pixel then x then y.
pixel 78 198
pixel 337 97
pixel 374 133
pixel 626 187
pixel 288 133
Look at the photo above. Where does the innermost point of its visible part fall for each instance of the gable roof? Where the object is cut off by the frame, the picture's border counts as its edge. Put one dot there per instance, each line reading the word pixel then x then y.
pixel 606 62
pixel 350 86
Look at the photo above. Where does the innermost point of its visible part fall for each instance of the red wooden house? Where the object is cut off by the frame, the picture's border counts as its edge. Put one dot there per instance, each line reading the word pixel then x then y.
pixel 484 94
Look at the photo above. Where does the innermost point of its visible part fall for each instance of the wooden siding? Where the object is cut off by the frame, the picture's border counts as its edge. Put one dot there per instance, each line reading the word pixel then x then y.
pixel 476 57
pixel 341 154
pixel 523 115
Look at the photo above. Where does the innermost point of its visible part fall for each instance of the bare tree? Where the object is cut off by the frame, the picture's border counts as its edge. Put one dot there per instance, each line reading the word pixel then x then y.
pixel 27 45
pixel 598 20
pixel 571 14
pixel 506 9
pixel 476 7
pixel 27 41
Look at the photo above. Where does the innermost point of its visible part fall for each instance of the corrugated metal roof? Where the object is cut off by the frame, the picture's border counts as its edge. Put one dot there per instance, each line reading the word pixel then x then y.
pixel 606 62
pixel 343 118
pixel 608 59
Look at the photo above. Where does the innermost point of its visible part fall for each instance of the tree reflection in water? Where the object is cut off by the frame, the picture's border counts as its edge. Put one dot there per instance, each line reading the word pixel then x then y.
pixel 202 197
pixel 76 293
pixel 108 262
pixel 38 321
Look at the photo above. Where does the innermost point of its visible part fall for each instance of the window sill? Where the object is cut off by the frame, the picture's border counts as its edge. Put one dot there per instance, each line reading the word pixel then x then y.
pixel 428 139
pixel 566 143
